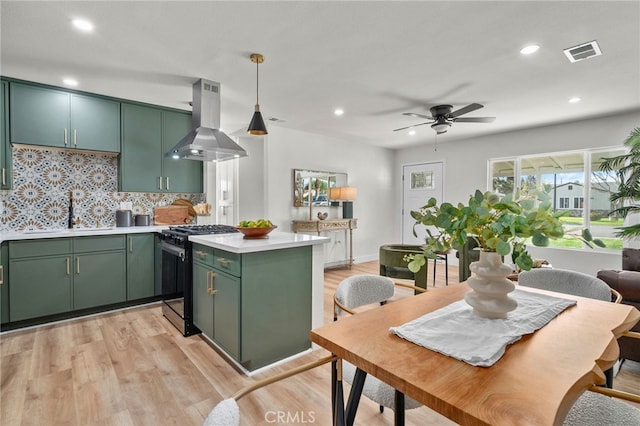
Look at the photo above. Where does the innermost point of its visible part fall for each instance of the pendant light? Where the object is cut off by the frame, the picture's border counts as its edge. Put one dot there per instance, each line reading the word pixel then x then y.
pixel 257 127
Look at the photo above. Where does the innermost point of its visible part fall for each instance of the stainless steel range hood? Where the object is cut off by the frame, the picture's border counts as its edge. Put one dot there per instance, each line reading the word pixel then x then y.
pixel 206 142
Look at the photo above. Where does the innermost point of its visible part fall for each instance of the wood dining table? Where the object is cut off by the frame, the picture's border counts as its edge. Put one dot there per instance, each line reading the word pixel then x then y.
pixel 535 382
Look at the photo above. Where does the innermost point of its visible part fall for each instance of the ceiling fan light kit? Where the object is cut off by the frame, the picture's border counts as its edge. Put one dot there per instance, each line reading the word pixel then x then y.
pixel 443 117
pixel 256 126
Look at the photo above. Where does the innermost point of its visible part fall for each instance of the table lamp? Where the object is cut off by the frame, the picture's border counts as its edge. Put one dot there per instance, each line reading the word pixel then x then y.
pixel 346 194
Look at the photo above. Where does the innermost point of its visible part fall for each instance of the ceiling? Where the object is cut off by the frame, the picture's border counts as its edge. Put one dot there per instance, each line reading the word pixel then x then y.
pixel 373 59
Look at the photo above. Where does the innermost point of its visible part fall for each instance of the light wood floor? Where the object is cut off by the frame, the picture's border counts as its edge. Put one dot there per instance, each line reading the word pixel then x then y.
pixel 133 368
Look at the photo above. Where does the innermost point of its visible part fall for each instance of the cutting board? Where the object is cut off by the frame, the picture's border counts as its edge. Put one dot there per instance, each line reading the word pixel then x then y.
pixel 171 215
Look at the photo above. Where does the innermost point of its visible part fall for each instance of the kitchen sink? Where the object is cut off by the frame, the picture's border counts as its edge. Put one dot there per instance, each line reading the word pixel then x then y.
pixel 44 231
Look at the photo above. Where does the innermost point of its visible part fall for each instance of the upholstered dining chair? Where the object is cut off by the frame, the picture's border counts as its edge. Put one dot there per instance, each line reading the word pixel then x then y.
pixel 593 408
pixel 358 291
pixel 227 411
pixel 598 406
pixel 571 282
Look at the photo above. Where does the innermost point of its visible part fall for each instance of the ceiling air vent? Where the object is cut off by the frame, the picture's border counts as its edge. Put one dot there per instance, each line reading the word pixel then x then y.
pixel 583 51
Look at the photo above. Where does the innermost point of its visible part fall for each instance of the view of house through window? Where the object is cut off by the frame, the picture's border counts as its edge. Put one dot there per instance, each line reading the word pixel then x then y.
pixel 574 183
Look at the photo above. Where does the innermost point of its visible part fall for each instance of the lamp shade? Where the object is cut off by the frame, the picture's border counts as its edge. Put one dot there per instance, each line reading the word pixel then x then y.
pixel 343 193
pixel 348 193
pixel 257 127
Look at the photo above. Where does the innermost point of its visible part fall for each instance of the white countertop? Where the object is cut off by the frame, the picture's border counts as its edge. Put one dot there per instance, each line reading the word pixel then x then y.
pixel 235 243
pixel 76 232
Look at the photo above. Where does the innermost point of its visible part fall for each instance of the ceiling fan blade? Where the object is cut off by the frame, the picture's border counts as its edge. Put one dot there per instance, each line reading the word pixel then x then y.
pixel 415 125
pixel 464 110
pixel 413 114
pixel 475 120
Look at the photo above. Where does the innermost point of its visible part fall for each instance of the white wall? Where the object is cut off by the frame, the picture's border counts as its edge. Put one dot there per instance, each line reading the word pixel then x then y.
pixel 266 177
pixel 466 166
pixel 370 170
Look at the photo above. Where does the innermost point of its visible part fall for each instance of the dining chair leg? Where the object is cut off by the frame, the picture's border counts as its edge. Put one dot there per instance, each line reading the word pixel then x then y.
pixel 446 269
pixel 398 412
pixel 608 375
pixel 354 396
pixel 337 395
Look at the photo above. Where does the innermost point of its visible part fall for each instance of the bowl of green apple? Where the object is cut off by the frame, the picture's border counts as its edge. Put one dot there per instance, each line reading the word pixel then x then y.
pixel 256 229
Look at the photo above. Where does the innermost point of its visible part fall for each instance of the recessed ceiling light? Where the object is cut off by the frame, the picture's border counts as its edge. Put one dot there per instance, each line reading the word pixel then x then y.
pixel 412 132
pixel 575 100
pixel 338 112
pixel 70 81
pixel 528 50
pixel 83 25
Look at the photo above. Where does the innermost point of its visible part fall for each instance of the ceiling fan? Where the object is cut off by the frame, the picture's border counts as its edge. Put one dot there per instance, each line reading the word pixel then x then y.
pixel 443 117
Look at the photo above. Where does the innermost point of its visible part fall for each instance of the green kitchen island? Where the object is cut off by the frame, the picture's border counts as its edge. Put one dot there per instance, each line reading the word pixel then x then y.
pixel 256 300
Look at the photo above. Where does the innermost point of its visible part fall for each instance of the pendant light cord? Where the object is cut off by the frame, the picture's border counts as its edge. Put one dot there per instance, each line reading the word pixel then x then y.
pixel 257 83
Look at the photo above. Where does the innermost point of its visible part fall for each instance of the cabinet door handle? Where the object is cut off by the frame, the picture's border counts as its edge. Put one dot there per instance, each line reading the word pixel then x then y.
pixel 167 183
pixel 1 274
pixel 212 291
pixel 68 266
pixel 78 265
pixel 65 136
pixel 160 182
pixel 75 138
pixel 4 176
pixel 130 245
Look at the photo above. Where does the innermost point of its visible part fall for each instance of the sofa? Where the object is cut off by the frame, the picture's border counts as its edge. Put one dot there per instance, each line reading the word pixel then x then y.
pixel 627 283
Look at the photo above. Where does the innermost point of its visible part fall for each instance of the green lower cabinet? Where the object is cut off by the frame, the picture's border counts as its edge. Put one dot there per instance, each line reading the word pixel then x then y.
pixel 202 299
pixel 99 279
pixel 4 283
pixel 260 309
pixel 217 315
pixel 41 286
pixel 276 305
pixel 226 312
pixel 58 275
pixel 140 266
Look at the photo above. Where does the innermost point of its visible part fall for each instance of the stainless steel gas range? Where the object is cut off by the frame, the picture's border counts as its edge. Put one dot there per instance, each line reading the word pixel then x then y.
pixel 177 273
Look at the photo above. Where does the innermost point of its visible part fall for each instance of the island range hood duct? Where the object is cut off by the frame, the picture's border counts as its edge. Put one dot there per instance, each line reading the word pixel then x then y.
pixel 206 142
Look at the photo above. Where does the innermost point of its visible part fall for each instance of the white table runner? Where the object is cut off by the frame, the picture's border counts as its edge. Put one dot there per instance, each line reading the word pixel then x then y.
pixel 456 331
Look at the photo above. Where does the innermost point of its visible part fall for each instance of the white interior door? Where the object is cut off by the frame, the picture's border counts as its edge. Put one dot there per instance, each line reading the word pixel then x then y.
pixel 420 182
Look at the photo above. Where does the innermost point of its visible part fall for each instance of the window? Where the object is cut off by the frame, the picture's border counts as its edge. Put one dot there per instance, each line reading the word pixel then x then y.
pixel 503 174
pixel 575 185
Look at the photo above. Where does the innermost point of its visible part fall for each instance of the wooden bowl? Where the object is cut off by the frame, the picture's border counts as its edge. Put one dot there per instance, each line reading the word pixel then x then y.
pixel 255 233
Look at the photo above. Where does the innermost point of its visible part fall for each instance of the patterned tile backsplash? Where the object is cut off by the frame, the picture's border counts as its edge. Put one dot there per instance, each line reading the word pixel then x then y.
pixel 43 179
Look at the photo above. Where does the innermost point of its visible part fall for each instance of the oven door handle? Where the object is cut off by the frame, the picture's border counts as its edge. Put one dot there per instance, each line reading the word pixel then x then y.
pixel 176 251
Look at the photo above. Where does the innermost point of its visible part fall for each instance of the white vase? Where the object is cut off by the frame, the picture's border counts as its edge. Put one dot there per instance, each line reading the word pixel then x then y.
pixel 489 296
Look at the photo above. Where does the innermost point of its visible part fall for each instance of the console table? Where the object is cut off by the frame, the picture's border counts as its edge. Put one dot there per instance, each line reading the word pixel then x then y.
pixel 328 225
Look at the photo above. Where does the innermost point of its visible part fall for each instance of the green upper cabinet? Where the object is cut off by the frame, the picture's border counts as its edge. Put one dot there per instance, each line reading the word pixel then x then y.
pixel 39 116
pixel 5 146
pixel 140 166
pixel 180 175
pixel 147 133
pixel 95 124
pixel 49 117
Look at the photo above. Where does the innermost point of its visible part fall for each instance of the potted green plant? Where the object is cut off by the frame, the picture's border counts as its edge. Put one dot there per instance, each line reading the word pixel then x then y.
pixel 627 167
pixel 500 225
